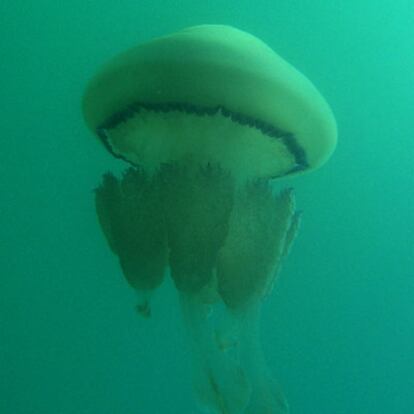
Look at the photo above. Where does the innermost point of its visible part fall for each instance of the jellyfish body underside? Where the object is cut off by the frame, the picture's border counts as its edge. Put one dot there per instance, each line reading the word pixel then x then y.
pixel 222 239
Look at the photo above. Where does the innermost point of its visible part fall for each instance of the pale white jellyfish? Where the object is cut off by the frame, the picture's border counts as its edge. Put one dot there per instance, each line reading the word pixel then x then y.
pixel 207 118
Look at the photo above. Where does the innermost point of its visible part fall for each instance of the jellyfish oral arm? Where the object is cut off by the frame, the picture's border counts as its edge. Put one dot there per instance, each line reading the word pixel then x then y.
pixel 266 395
pixel 234 379
pixel 219 381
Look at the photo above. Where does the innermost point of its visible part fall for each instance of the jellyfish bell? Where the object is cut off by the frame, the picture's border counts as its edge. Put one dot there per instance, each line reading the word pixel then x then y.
pixel 211 93
pixel 206 117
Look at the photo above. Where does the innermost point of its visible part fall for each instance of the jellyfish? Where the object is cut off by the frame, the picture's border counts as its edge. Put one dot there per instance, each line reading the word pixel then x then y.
pixel 208 120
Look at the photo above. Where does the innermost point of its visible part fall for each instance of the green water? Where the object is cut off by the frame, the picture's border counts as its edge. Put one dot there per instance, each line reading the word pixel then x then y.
pixel 338 330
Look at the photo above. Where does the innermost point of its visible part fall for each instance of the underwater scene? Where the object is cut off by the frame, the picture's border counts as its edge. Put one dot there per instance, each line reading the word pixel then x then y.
pixel 207 207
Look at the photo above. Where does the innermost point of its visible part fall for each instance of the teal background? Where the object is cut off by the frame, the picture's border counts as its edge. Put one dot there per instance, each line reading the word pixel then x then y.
pixel 338 330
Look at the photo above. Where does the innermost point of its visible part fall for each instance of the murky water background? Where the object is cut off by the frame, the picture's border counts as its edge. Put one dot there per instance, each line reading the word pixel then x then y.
pixel 338 330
